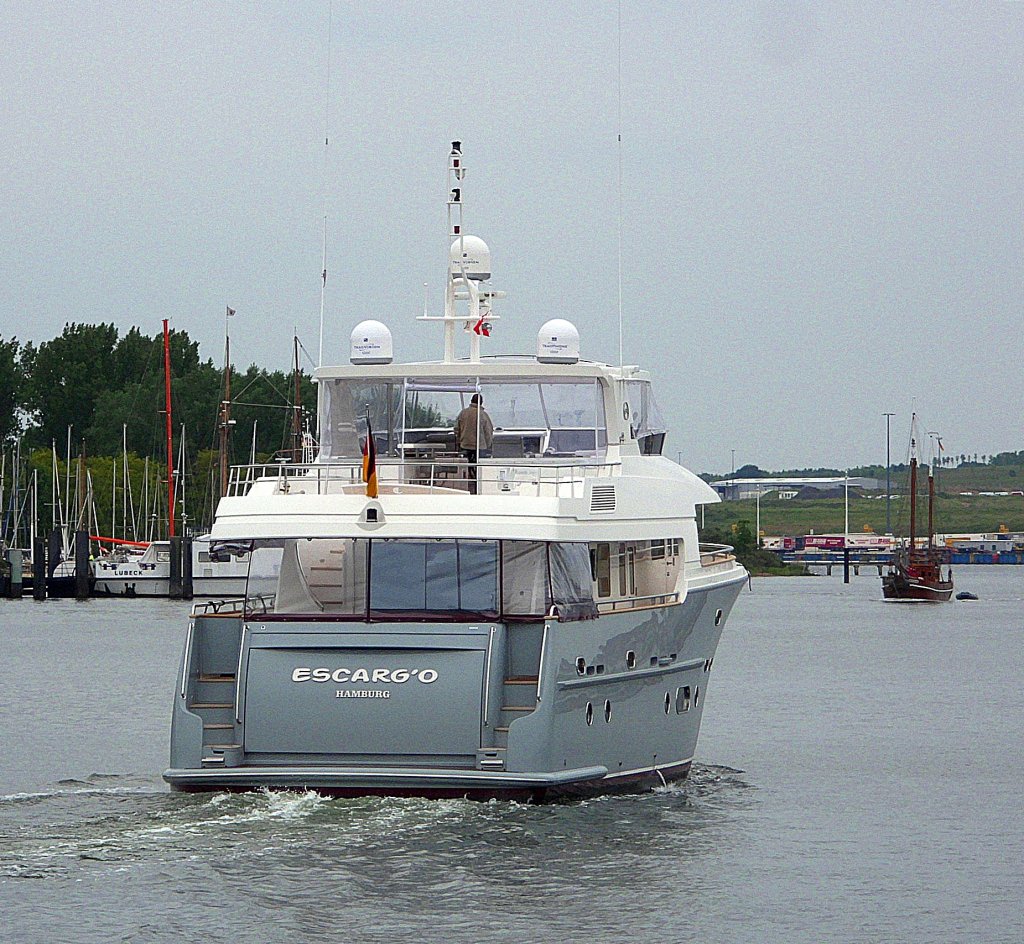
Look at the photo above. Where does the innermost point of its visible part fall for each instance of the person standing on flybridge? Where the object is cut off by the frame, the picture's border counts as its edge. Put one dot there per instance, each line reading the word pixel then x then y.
pixel 474 433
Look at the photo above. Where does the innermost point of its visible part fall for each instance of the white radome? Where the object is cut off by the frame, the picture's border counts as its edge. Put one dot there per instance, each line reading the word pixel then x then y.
pixel 558 342
pixel 371 343
pixel 470 254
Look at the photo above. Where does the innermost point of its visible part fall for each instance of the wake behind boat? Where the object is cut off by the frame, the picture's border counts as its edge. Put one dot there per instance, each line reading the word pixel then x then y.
pixel 489 583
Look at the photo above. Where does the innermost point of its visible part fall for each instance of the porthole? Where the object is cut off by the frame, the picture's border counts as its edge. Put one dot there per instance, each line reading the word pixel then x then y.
pixel 607 710
pixel 590 713
pixel 682 699
pixel 631 659
pixel 668 702
pixel 591 669
pixel 581 665
pixel 718 618
pixel 696 696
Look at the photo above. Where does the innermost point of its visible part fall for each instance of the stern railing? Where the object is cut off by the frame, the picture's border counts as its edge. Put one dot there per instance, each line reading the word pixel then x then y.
pixel 433 476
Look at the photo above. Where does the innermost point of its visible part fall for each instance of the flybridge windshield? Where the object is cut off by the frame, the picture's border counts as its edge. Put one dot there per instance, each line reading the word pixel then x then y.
pixel 532 417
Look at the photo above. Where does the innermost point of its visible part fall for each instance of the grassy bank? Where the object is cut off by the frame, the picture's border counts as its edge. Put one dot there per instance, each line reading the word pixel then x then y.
pixel 954 513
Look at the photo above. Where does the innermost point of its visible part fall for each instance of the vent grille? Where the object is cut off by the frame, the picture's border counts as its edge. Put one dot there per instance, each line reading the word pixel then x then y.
pixel 602 498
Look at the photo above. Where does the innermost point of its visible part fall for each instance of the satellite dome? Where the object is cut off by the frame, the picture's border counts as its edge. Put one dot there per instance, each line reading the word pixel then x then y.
pixel 558 342
pixel 371 343
pixel 470 254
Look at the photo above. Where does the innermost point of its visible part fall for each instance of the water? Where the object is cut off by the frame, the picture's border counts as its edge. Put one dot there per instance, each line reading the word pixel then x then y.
pixel 858 779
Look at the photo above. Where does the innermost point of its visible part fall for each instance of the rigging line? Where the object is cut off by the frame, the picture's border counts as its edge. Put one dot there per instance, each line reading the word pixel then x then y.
pixel 264 376
pixel 619 137
pixel 309 357
pixel 327 136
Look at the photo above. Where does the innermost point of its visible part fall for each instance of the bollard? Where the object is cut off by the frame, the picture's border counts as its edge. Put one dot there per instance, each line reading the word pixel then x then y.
pixel 17 571
pixel 186 567
pixel 174 581
pixel 846 565
pixel 39 570
pixel 81 565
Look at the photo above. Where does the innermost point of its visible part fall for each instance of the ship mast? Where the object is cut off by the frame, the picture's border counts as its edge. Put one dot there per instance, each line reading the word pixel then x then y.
pixel 913 487
pixel 225 408
pixel 469 267
pixel 297 408
pixel 931 505
pixel 170 445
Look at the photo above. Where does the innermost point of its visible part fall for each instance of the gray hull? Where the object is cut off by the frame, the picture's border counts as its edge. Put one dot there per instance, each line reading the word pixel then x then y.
pixel 535 710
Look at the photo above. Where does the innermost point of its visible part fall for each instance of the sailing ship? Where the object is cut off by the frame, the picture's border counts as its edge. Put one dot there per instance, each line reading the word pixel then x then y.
pixel 915 573
pixel 529 620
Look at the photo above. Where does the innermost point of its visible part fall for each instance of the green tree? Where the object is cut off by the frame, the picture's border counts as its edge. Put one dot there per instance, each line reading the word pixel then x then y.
pixel 66 377
pixel 11 388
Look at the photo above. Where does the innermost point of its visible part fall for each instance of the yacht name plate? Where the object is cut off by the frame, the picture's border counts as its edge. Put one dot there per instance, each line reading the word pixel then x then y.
pixel 371 676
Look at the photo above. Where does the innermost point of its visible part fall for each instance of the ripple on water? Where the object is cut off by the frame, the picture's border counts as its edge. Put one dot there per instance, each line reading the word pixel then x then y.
pixel 122 820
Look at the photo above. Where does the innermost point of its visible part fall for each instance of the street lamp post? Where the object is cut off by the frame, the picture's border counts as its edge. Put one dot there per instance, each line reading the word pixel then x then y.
pixel 888 467
pixel 757 532
pixel 846 520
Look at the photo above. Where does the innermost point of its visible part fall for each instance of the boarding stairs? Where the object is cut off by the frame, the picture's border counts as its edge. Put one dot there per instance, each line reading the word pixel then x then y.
pixel 213 703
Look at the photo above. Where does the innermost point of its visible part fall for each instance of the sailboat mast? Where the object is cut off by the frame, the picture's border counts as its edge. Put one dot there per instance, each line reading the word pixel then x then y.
pixel 913 500
pixel 931 506
pixel 170 444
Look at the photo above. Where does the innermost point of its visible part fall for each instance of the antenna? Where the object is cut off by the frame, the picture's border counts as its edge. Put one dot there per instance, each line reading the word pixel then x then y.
pixel 619 137
pixel 327 128
pixel 468 269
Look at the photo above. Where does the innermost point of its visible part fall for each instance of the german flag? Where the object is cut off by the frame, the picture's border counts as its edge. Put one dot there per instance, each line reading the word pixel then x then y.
pixel 370 462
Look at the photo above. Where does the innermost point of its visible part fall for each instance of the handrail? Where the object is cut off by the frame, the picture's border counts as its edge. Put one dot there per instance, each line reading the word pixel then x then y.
pixel 711 554
pixel 238 676
pixel 492 476
pixel 637 603
pixel 218 607
pixel 540 662
pixel 487 677
pixel 185 673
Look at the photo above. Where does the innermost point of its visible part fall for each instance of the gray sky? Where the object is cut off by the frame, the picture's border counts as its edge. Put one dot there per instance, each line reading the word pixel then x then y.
pixel 823 202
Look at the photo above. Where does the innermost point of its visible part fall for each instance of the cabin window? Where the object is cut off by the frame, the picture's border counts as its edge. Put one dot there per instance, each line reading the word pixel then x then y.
pixel 646 424
pixel 572 592
pixel 621 567
pixel 433 576
pixel 204 557
pixel 262 580
pixel 604 570
pixel 524 578
pixel 417 578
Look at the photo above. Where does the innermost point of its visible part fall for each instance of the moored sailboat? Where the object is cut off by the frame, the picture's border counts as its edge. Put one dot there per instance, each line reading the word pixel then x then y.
pixel 916 571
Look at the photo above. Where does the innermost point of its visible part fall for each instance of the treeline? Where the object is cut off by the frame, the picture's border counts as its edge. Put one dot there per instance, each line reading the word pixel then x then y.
pixel 104 386
pixel 963 460
pixel 94 393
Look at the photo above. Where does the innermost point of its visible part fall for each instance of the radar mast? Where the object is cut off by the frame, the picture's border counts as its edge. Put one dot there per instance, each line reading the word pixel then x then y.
pixel 469 268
